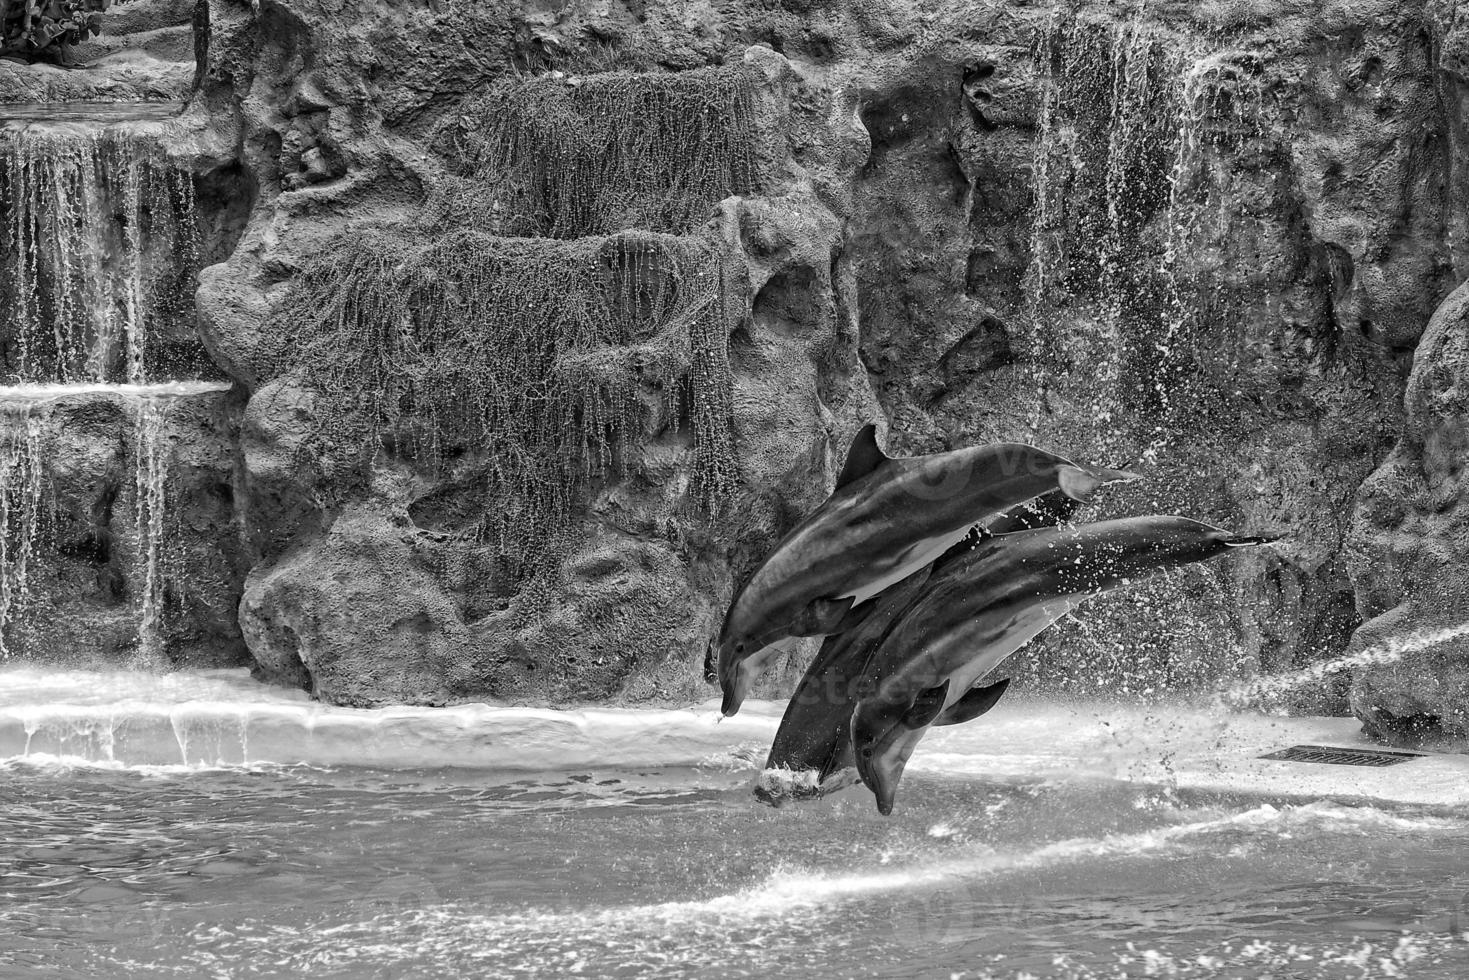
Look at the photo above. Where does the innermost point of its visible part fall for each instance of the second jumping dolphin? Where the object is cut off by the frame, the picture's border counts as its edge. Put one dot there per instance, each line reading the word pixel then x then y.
pixel 812 751
pixel 887 518
pixel 995 599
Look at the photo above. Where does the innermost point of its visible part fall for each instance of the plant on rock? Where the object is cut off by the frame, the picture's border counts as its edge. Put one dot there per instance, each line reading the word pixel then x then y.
pixel 592 155
pixel 529 361
pixel 32 26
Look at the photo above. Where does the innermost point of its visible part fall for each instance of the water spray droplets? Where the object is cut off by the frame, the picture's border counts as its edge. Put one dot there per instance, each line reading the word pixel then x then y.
pixel 1262 692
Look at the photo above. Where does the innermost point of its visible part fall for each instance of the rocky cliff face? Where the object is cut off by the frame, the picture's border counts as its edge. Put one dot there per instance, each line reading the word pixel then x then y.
pixel 1207 238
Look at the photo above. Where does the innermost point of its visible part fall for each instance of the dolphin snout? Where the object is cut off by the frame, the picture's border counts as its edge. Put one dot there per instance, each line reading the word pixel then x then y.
pixel 1251 540
pixel 1080 482
pixel 736 681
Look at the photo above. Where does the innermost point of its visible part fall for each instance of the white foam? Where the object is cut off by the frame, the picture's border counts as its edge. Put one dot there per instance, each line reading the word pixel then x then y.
pixel 1180 746
pixel 222 717
pixel 213 718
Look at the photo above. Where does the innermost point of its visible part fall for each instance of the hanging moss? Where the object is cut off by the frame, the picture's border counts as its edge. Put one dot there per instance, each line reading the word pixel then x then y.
pixel 570 157
pixel 530 361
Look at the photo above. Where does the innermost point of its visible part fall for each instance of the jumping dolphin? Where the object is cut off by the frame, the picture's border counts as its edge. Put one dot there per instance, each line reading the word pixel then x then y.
pixel 887 518
pixel 993 600
pixel 812 750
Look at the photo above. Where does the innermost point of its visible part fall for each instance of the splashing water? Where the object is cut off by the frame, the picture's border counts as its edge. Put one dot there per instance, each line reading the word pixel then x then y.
pixel 1266 688
pixel 98 250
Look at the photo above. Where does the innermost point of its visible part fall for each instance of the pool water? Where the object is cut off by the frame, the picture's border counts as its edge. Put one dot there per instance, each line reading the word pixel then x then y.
pixel 257 869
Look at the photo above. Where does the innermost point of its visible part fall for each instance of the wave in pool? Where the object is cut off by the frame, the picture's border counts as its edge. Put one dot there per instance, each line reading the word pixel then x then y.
pixel 796 912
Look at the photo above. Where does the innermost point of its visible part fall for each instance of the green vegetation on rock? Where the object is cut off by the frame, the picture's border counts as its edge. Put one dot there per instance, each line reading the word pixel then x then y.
pixel 522 365
pixel 585 156
pixel 31 26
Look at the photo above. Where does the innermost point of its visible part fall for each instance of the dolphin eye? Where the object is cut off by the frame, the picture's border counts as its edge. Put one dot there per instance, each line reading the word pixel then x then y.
pixel 866 753
pixel 739 648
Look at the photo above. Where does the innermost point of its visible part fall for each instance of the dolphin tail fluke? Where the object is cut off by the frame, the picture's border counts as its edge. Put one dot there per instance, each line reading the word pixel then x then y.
pixel 1080 482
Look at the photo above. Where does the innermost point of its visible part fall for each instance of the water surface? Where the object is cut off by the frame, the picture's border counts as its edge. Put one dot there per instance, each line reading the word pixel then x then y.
pixel 135 867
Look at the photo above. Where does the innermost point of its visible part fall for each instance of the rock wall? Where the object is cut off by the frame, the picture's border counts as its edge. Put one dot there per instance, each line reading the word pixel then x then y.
pixel 1207 239
pixel 378 595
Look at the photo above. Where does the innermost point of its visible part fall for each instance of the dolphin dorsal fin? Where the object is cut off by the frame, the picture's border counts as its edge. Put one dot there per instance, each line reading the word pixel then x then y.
pixel 863 457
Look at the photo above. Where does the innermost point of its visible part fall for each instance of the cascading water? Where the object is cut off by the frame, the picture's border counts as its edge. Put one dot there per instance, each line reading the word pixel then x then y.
pixel 99 248
pixel 1112 130
pixel 21 467
pixel 97 256
pixel 30 430
pixel 1138 170
pixel 150 499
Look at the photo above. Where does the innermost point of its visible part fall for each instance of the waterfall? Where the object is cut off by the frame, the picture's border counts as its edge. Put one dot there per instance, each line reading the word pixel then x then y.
pixel 1137 174
pixel 1110 123
pixel 21 467
pixel 98 252
pixel 150 471
pixel 35 421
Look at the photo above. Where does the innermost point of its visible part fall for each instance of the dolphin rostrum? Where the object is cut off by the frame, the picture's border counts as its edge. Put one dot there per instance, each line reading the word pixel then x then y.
pixel 887 518
pixel 812 750
pixel 994 599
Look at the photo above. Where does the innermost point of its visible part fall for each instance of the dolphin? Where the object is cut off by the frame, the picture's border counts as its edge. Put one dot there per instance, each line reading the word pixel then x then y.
pixel 995 599
pixel 886 518
pixel 814 738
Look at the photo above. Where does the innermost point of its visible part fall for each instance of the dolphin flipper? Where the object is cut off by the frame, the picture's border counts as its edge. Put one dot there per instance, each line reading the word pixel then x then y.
pixel 974 703
pixel 927 706
pixel 855 616
pixel 863 457
pixel 822 617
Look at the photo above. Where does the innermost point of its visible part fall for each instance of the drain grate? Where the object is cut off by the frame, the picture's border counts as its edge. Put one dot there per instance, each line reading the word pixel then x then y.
pixel 1336 756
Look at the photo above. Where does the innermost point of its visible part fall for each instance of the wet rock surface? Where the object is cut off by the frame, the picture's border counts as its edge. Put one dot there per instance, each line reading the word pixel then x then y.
pixel 1408 540
pixel 132 553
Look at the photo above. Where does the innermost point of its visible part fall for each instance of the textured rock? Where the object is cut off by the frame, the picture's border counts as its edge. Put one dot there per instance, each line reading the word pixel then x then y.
pixel 1410 537
pixel 1219 263
pixel 635 600
pixel 893 250
pixel 1297 186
